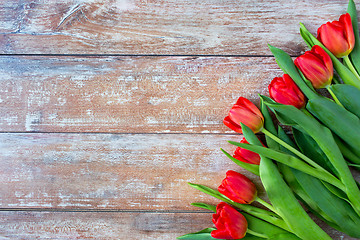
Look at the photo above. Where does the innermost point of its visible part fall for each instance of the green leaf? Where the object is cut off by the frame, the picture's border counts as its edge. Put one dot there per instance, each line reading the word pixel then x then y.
pixel 306 38
pixel 283 118
pixel 337 192
pixel 318 198
pixel 355 53
pixel 284 201
pixel 202 235
pixel 291 180
pixel 283 236
pixel 290 161
pixel 290 177
pixel 248 236
pixel 310 148
pixel 343 123
pixel 286 204
pixel 253 168
pixel 205 206
pixel 349 96
pixel 344 216
pixel 326 142
pixel 347 151
pixel 265 228
pixel 209 191
pixel 269 125
pixel 283 136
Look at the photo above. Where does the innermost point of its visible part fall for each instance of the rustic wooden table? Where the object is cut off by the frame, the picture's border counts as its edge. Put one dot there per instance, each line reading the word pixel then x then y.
pixel 108 108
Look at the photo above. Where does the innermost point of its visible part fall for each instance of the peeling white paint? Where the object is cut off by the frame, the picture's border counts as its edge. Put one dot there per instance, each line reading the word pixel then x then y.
pixel 32 118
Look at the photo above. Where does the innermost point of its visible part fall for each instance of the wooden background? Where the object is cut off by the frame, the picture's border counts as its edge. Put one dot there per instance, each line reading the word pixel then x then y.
pixel 109 107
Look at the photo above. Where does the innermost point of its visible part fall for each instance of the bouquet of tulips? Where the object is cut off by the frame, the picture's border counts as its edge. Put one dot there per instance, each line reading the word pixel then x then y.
pixel 309 169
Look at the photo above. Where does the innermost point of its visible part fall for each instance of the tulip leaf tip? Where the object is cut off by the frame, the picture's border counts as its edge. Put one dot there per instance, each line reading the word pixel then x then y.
pixel 271 46
pixel 233 143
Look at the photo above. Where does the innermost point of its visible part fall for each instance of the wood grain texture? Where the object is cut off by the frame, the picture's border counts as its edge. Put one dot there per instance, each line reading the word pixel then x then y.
pixel 108 225
pixel 112 171
pixel 127 94
pixel 100 225
pixel 123 134
pixel 159 27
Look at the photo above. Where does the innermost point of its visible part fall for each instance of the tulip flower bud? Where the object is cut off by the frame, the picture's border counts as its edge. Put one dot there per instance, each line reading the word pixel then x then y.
pixel 246 156
pixel 244 112
pixel 229 223
pixel 317 67
pixel 284 90
pixel 338 36
pixel 238 188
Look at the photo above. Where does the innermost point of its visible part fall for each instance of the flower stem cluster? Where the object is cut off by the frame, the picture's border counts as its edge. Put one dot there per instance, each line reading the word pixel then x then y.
pixel 312 166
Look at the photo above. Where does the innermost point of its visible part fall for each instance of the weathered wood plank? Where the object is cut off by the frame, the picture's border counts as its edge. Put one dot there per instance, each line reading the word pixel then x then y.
pixel 111 171
pixel 108 225
pixel 159 27
pixel 100 225
pixel 127 94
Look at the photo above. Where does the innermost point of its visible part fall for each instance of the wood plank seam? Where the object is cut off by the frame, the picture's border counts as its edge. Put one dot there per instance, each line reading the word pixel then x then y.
pixel 100 210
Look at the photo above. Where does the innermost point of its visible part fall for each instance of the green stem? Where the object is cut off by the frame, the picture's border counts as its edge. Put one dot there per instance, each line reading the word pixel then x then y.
pixel 336 79
pixel 256 234
pixel 334 96
pixel 294 162
pixel 304 110
pixel 293 150
pixel 351 66
pixel 265 204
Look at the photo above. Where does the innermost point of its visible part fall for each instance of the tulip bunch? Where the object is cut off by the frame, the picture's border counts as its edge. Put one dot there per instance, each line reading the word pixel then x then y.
pixel 312 167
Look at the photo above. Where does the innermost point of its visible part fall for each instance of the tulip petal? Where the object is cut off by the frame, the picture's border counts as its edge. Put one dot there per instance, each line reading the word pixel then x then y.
pixel 338 36
pixel 316 65
pixel 324 56
pixel 334 39
pixel 230 124
pixel 285 91
pixel 246 156
pixel 240 114
pixel 238 188
pixel 229 222
pixel 249 105
pixel 244 111
pixel 250 167
pixel 345 20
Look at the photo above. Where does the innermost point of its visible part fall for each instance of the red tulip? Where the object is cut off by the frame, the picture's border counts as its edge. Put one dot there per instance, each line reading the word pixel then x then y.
pixel 245 155
pixel 238 188
pixel 338 36
pixel 317 67
pixel 284 90
pixel 244 112
pixel 229 222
